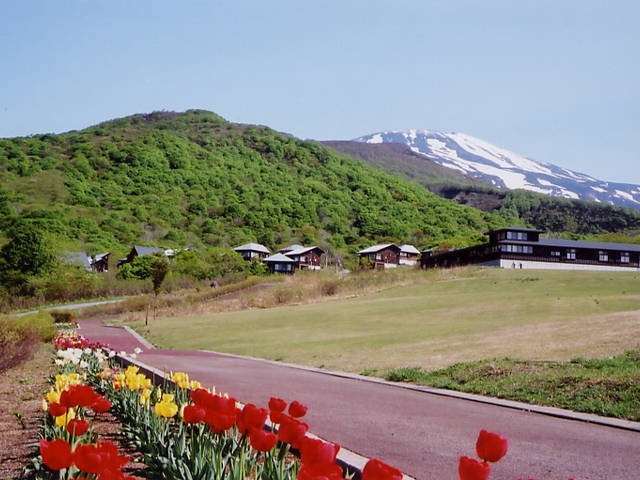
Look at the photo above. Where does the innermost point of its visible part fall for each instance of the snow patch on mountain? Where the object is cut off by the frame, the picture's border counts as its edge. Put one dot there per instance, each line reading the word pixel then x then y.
pixel 506 169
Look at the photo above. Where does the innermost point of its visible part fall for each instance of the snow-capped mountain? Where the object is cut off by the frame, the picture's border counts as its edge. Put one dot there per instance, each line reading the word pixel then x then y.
pixel 506 169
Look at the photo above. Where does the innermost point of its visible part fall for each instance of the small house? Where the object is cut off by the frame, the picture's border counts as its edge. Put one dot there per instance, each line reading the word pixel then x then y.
pixel 309 258
pixel 280 263
pixel 381 256
pixel 253 251
pixel 101 262
pixel 409 255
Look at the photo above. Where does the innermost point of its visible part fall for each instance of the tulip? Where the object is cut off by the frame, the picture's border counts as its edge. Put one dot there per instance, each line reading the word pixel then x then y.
pixel 314 450
pixel 490 446
pixel 376 469
pixel 297 410
pixel 78 396
pixel 251 417
pixel 77 427
pixel 292 431
pixel 56 454
pixel 277 404
pixel 55 409
pixel 100 404
pixel 193 414
pixel 261 440
pixel 320 471
pixel 166 407
pixel 472 469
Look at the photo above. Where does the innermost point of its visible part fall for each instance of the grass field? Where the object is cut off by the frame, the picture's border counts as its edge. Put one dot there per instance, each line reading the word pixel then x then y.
pixel 426 320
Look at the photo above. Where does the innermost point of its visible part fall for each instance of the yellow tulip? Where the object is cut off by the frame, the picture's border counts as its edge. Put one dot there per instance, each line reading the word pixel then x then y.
pixel 62 420
pixel 166 407
pixel 53 396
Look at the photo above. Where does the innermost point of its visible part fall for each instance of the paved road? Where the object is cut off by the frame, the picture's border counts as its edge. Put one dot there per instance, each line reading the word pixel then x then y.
pixel 422 433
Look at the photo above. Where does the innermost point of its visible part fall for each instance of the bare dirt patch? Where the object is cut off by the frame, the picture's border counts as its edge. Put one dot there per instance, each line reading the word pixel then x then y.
pixel 22 389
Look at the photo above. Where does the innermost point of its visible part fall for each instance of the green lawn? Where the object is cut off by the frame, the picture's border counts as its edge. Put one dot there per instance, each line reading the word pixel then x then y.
pixel 439 319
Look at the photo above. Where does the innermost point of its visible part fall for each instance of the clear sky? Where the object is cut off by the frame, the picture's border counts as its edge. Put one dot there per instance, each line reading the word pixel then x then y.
pixel 554 80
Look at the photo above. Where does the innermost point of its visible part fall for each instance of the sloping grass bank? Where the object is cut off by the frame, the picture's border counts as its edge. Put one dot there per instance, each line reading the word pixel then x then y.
pixel 602 386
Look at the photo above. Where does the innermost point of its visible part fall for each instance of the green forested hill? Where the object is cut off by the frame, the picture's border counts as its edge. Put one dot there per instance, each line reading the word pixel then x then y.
pixel 194 179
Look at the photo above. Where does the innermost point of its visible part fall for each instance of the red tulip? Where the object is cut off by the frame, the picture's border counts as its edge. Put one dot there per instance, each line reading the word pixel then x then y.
pixel 77 427
pixel 219 422
pixel 472 469
pixel 78 396
pixel 251 417
pixel 100 404
pixel 490 446
pixel 193 414
pixel 101 459
pixel 320 471
pixel 88 458
pixel 56 454
pixel 376 469
pixel 109 453
pixel 297 410
pixel 277 404
pixel 261 440
pixel 292 431
pixel 276 417
pixel 55 409
pixel 314 450
pixel 202 398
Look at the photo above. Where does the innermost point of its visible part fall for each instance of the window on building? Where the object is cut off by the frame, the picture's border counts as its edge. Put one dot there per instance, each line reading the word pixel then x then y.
pixel 624 257
pixel 603 256
pixel 517 248
pixel 555 253
pixel 571 254
pixel 522 236
pixel 378 256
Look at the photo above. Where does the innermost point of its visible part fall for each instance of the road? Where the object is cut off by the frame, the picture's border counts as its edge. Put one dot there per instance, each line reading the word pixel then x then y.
pixel 423 433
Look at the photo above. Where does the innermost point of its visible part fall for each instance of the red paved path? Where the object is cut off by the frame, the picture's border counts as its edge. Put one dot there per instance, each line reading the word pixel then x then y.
pixel 422 433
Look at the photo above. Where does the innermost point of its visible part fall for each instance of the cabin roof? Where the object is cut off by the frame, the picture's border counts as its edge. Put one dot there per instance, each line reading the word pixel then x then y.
pixel 377 248
pixel 278 258
pixel 303 250
pixel 252 247
pixel 409 249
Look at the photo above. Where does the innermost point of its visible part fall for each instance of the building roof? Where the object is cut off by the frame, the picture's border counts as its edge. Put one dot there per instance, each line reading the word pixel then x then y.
pixel 142 251
pixel 515 229
pixel 377 248
pixel 557 242
pixel 252 247
pixel 278 258
pixel 100 256
pixel 291 248
pixel 409 249
pixel 80 259
pixel 303 250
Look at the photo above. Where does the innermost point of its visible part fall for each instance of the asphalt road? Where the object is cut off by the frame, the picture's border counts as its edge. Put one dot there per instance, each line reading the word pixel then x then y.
pixel 423 433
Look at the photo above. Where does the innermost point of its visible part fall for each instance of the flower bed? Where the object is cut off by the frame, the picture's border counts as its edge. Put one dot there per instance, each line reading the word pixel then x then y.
pixel 183 430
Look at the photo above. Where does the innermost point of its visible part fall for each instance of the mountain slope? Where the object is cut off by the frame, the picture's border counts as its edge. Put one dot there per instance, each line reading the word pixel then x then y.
pixel 506 169
pixel 192 178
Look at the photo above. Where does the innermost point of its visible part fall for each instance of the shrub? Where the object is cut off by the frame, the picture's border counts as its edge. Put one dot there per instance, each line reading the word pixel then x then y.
pixel 21 336
pixel 62 316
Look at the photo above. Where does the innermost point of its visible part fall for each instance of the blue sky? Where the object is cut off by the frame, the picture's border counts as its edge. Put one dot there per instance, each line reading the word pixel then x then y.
pixel 557 81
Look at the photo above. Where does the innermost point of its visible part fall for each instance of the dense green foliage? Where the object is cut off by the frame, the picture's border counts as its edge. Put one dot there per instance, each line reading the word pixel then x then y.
pixel 194 179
